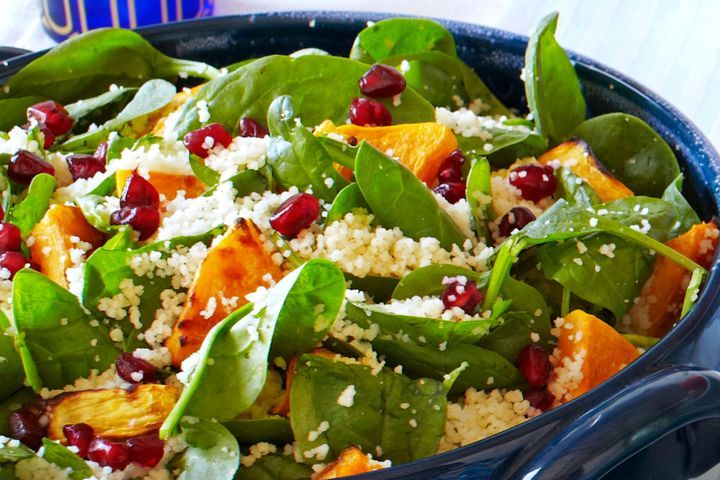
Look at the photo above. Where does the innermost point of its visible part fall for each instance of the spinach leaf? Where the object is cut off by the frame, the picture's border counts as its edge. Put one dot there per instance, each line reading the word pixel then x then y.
pixel 640 341
pixel 64 341
pixel 486 369
pixel 505 146
pixel 479 196
pixel 62 457
pixel 379 288
pixel 340 152
pixel 692 292
pixel 31 210
pixel 403 434
pixel 685 214
pixel 656 216
pixel 632 151
pixel 212 453
pixel 399 36
pixel 88 64
pixel 275 467
pixel 7 471
pixel 275 430
pixel 399 199
pixel 14 111
pixel 97 217
pixel 11 368
pixel 551 84
pixel 249 90
pixel 347 200
pixel 206 174
pixel 427 280
pixel 15 454
pixel 244 183
pixel 574 189
pixel 98 109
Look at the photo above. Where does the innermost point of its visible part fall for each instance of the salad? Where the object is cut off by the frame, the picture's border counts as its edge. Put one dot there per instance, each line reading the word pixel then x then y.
pixel 309 266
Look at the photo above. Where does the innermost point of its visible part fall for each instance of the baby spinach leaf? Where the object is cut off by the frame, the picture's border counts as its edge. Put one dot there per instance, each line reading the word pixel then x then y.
pixel 275 430
pixel 14 111
pixel 106 187
pixel 88 64
pixel 632 151
pixel 693 289
pixel 399 36
pixel 62 457
pixel 505 146
pixel 11 368
pixel 551 84
pixel 29 211
pixel 377 399
pixel 249 90
pixel 98 109
pixel 206 174
pixel 643 212
pixel 640 341
pixel 399 199
pixel 479 196
pixel 486 369
pixel 574 189
pixel 379 288
pixel 275 467
pixel 64 341
pixel 15 454
pixel 340 152
pixel 347 200
pixel 686 215
pixel 95 216
pixel 212 453
pixel 245 183
pixel 428 280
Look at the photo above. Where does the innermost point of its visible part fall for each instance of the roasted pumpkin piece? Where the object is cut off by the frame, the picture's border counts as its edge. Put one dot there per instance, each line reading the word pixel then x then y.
pixel 658 306
pixel 422 147
pixel 351 461
pixel 236 266
pixel 113 413
pixel 589 351
pixel 56 237
pixel 577 156
pixel 167 184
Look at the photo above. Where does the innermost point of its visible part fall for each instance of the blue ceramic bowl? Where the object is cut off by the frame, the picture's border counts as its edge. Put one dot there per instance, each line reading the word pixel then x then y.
pixel 667 398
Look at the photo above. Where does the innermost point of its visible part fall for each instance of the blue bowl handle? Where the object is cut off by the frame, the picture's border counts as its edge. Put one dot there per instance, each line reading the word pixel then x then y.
pixel 627 422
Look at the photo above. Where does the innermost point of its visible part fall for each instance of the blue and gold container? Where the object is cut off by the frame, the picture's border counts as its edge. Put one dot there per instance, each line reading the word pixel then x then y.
pixel 64 18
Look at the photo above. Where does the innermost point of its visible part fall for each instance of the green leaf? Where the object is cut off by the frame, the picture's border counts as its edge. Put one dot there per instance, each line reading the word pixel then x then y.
pixel 426 281
pixel 249 90
pixel 64 344
pixel 15 454
pixel 206 174
pixel 686 215
pixel 632 151
pixel 693 289
pixel 274 467
pixel 14 111
pixel 479 196
pixel 640 341
pixel 244 183
pixel 249 431
pixel 317 386
pixel 505 146
pixel 97 109
pixel 11 368
pixel 392 191
pixel 551 84
pixel 97 217
pixel 574 189
pixel 89 63
pixel 212 453
pixel 340 152
pixel 62 457
pixel 347 201
pixel 31 210
pixel 379 288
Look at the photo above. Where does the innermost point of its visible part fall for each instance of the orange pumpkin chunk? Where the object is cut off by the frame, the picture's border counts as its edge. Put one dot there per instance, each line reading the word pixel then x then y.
pixel 168 184
pixel 422 147
pixel 589 352
pixel 577 156
pixel 236 266
pixel 350 462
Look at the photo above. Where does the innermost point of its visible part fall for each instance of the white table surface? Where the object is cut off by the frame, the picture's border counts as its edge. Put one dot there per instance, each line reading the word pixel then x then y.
pixel 670 46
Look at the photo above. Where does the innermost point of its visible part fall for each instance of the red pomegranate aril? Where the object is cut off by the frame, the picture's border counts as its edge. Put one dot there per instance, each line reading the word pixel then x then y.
pixel 52 114
pixel 25 165
pixel 367 112
pixel 382 81
pixel 295 214
pixel 449 174
pixel 144 220
pixel 249 127
pixel 10 237
pixel 101 152
pixel 109 453
pixel 199 142
pixel 79 435
pixel 138 192
pixel 48 135
pixel 465 296
pixel 539 398
pixel 513 220
pixel 25 426
pixel 82 165
pixel 535 182
pixel 135 370
pixel 534 364
pixel 146 450
pixel 14 262
pixel 453 192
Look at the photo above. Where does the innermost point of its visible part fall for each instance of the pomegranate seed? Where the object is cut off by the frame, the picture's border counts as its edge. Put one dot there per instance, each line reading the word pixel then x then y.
pixel 79 435
pixel 144 220
pixel 48 136
pixel 109 453
pixel 513 220
pixel 249 127
pixel 369 113
pixel 52 114
pixel 199 142
pixel 25 426
pixel 465 296
pixel 101 152
pixel 82 165
pixel 25 165
pixel 534 181
pixel 453 192
pixel 10 238
pixel 138 192
pixel 539 398
pixel 14 262
pixel 146 451
pixel 382 81
pixel 135 370
pixel 451 168
pixel 534 364
pixel 294 214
